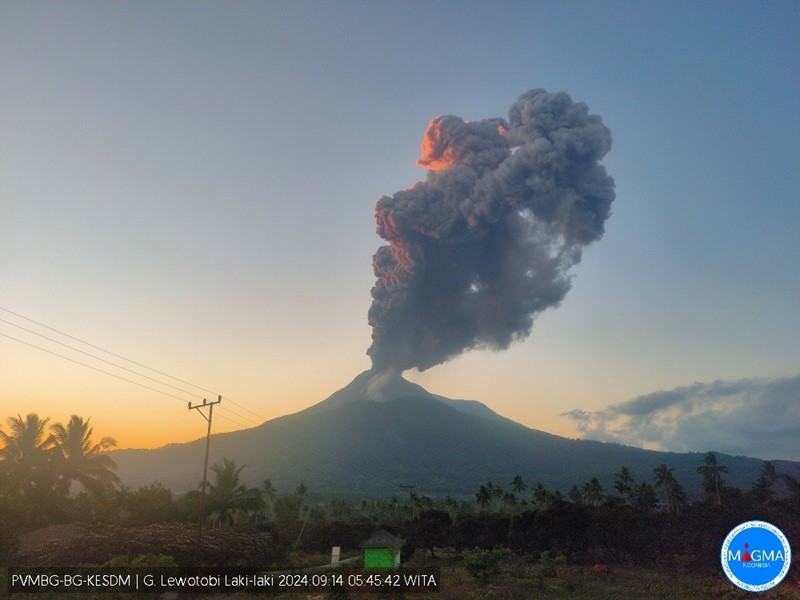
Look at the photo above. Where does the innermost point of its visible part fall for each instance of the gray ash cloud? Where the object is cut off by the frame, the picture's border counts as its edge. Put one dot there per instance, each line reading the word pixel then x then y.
pixel 483 245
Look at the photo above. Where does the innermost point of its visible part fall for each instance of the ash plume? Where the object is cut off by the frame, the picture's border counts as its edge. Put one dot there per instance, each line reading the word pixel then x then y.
pixel 483 245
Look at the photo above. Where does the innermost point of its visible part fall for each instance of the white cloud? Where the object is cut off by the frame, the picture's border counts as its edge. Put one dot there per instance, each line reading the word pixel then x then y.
pixel 750 417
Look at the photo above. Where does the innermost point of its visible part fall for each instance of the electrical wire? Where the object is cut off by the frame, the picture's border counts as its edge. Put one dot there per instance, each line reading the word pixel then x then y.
pixel 184 400
pixel 234 421
pixel 231 420
pixel 262 419
pixel 113 364
pixel 130 371
pixel 72 337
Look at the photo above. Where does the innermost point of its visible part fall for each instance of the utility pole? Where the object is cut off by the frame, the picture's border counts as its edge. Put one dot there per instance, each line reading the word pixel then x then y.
pixel 411 528
pixel 197 407
pixel 410 487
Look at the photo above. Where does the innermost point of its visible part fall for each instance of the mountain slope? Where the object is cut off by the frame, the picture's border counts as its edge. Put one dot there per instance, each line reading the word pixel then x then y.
pixel 354 444
pixel 383 387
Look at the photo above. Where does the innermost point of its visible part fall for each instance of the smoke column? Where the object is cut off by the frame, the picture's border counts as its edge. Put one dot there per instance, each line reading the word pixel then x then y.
pixel 483 245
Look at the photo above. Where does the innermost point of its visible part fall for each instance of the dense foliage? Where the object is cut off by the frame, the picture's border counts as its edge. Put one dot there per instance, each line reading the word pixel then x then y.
pixel 641 521
pixel 98 544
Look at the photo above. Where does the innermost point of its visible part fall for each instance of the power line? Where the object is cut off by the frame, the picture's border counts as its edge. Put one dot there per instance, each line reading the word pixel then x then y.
pixel 130 371
pixel 77 339
pixel 108 362
pixel 234 421
pixel 233 412
pixel 91 367
pixel 244 408
pixel 104 350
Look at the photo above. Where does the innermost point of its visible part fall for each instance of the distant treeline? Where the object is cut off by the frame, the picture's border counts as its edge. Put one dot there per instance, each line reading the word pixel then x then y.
pixel 56 474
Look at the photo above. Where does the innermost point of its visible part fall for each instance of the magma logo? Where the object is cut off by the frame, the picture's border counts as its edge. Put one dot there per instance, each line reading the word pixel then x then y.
pixel 756 556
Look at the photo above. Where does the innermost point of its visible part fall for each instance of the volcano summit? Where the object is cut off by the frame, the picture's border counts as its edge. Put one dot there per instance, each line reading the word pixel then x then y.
pixel 381 431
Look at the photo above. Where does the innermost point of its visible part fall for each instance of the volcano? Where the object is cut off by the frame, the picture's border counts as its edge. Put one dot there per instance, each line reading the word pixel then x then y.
pixel 381 431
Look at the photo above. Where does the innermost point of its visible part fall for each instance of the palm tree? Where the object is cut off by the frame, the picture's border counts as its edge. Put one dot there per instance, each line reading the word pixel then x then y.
pixel 762 490
pixel 268 493
pixel 541 496
pixel 451 505
pixel 593 492
pixel 268 490
pixel 301 490
pixel 711 473
pixel 483 496
pixel 643 497
pixel 518 484
pixel 672 489
pixel 26 452
pixel 624 483
pixel 77 458
pixel 226 494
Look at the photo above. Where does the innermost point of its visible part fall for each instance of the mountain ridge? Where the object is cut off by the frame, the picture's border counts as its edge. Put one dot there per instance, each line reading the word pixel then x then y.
pixel 370 439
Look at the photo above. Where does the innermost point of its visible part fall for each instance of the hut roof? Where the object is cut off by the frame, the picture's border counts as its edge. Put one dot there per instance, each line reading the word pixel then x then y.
pixel 380 539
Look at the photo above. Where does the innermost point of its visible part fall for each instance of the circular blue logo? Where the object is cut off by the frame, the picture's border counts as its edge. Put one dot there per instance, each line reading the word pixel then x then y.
pixel 756 556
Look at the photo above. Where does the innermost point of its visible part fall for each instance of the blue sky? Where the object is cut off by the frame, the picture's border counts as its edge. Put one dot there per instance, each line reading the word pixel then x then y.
pixel 192 185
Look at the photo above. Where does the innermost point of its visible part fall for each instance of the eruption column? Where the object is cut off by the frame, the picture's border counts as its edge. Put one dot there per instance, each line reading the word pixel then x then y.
pixel 485 243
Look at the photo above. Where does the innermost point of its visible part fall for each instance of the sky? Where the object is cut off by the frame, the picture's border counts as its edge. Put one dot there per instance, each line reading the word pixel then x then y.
pixel 192 185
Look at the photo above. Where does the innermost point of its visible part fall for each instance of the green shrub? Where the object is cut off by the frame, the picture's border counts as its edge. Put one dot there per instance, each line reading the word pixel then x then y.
pixel 148 560
pixel 118 562
pixel 153 560
pixel 483 564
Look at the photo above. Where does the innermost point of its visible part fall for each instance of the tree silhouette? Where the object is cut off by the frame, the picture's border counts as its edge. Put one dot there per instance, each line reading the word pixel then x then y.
pixel 623 483
pixel 643 497
pixel 301 490
pixel 762 489
pixel 541 497
pixel 268 490
pixel 268 493
pixel 673 491
pixel 711 473
pixel 575 495
pixel 483 496
pixel 27 451
pixel 592 492
pixel 518 485
pixel 226 494
pixel 77 458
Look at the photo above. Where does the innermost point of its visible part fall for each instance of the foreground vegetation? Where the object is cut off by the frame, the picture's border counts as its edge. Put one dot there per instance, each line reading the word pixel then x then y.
pixel 524 577
pixel 61 504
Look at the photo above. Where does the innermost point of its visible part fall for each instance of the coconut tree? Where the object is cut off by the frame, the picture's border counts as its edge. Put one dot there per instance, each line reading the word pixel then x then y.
pixel 226 494
pixel 763 489
pixel 575 495
pixel 518 484
pixel 77 458
pixel 541 497
pixel 268 493
pixel 26 451
pixel 593 492
pixel 711 473
pixel 483 496
pixel 624 482
pixel 673 490
pixel 268 490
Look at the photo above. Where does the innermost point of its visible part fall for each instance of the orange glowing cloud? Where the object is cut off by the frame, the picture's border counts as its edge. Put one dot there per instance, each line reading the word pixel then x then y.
pixel 452 141
pixel 437 151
